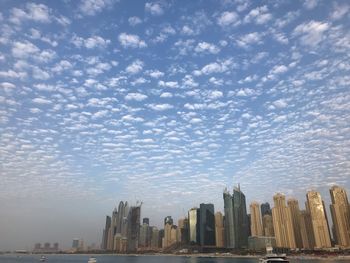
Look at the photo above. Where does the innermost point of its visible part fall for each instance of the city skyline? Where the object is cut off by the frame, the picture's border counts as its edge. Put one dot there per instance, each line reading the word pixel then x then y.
pixel 167 102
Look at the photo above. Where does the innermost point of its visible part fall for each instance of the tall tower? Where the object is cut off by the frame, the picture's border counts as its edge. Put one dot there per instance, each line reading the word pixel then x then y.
pixel 256 226
pixel 133 228
pixel 168 223
pixel 268 226
pixel 219 230
pixel 282 223
pixel 105 232
pixel 265 209
pixel 306 230
pixel 340 211
pixel 293 206
pixel 236 219
pixel 193 221
pixel 207 225
pixel 229 221
pixel 318 219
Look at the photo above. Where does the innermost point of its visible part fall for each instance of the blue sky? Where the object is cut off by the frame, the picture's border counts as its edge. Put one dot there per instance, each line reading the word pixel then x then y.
pixel 167 102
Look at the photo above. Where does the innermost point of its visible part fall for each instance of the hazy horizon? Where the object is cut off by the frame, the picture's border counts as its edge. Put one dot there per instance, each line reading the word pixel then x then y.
pixel 165 102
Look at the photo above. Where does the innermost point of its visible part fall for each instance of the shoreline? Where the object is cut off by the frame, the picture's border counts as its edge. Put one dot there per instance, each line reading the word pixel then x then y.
pixel 198 255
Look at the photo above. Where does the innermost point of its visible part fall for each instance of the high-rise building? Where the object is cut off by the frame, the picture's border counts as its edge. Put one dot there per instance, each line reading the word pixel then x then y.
pixel 173 235
pixel 206 225
pixel 293 206
pixel 145 220
pixel 265 209
pixel 155 238
pixel 306 230
pixel 75 243
pixel 219 230
pixel 133 229
pixel 144 240
pixel 160 237
pixel 236 219
pixel 193 220
pixel 182 230
pixel 340 211
pixel 229 220
pixel 268 226
pixel 105 232
pixel 282 223
pixel 168 223
pixel 318 219
pixel 255 223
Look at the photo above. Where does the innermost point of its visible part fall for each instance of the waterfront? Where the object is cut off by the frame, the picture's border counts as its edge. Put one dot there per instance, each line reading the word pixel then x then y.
pixel 149 259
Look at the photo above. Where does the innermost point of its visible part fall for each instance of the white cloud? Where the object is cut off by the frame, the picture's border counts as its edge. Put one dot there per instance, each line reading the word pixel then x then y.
pixel 279 69
pixel 92 7
pixel 135 96
pixel 155 74
pixel 135 67
pixel 166 95
pixel 168 84
pixel 311 33
pixel 24 49
pixel 34 12
pixel 310 4
pixel 259 15
pixel 154 9
pixel 249 39
pixel 38 73
pixel 134 20
pixel 339 11
pixel 228 18
pixel 207 47
pixel 215 94
pixel 7 85
pixel 215 67
pixel 41 101
pixel 160 107
pixel 129 40
pixel 91 42
pixel 281 103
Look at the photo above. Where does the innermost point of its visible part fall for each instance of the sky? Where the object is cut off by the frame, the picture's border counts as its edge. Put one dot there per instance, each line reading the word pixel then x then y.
pixel 168 103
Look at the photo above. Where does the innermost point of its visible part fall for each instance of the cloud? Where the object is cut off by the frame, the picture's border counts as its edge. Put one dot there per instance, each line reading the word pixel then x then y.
pixel 135 96
pixel 155 74
pixel 135 67
pixel 93 7
pixel 311 33
pixel 281 103
pixel 252 38
pixel 154 9
pixel 41 101
pixel 129 40
pixel 310 4
pixel 7 85
pixel 24 49
pixel 216 67
pixel 207 47
pixel 168 84
pixel 134 20
pixel 35 12
pixel 91 42
pixel 339 11
pixel 259 15
pixel 228 18
pixel 160 107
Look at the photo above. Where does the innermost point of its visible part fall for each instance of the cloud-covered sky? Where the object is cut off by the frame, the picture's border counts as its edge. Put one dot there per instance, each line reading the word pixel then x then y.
pixel 167 102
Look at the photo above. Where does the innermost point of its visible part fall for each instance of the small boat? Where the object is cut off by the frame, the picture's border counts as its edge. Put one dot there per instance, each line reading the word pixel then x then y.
pixel 43 258
pixel 92 260
pixel 273 258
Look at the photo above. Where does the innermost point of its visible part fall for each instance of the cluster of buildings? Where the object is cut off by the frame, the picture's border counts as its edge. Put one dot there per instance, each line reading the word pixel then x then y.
pixel 284 226
pixel 46 248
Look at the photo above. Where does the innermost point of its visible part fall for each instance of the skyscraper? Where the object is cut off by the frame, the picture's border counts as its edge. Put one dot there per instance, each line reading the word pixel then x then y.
pixel 306 230
pixel 318 219
pixel 293 206
pixel 206 225
pixel 236 219
pixel 282 223
pixel 268 226
pixel 229 223
pixel 219 230
pixel 133 228
pixel 168 223
pixel 193 220
pixel 105 232
pixel 340 211
pixel 144 240
pixel 255 223
pixel 265 209
pixel 182 229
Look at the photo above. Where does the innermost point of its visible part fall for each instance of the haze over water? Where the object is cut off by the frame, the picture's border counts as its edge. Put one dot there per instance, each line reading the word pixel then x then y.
pixel 167 102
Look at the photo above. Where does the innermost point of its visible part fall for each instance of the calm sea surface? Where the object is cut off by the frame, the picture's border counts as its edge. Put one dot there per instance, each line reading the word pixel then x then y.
pixel 141 259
